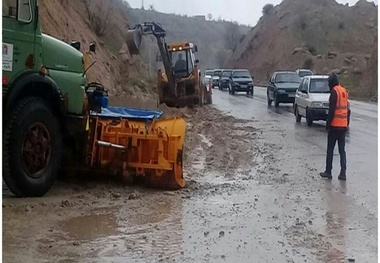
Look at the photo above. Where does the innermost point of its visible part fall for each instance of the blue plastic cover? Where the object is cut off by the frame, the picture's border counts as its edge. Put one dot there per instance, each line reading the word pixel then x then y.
pixel 129 113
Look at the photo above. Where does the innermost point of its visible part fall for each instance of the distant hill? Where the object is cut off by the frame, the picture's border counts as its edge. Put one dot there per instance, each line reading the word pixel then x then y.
pixel 321 34
pixel 207 35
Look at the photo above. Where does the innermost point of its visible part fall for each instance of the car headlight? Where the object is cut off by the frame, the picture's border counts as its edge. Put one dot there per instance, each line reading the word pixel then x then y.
pixel 317 104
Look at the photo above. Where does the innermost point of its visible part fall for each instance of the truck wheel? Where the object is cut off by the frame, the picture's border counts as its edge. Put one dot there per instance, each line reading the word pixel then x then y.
pixel 32 148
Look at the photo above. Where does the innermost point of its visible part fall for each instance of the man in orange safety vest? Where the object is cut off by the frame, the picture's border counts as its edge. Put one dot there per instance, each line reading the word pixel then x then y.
pixel 336 125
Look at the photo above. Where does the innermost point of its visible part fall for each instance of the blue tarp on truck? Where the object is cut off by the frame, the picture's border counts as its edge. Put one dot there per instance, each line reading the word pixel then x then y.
pixel 129 113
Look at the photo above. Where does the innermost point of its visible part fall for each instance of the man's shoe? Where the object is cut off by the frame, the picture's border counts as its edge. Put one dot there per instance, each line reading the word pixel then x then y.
pixel 342 177
pixel 326 175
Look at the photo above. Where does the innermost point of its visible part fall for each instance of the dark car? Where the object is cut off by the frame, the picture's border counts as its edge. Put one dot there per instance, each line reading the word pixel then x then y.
pixel 240 81
pixel 282 87
pixel 224 79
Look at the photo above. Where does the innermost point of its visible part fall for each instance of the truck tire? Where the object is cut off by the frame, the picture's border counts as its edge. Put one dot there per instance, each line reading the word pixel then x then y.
pixel 32 148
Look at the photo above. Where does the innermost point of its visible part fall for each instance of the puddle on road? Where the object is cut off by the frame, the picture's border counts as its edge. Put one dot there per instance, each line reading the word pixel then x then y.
pixel 90 227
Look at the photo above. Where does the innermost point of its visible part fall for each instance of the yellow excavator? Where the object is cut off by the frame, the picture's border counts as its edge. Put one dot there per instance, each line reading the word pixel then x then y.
pixel 180 85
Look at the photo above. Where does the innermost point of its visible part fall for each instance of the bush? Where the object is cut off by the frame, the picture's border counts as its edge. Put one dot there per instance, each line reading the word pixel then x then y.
pixel 267 9
pixel 312 50
pixel 308 64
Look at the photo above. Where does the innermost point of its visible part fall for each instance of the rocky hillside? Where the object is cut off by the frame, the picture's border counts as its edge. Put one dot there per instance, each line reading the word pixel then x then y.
pixel 87 21
pixel 320 34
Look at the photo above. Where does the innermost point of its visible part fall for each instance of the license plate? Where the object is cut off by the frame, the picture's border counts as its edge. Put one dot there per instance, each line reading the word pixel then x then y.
pixel 291 95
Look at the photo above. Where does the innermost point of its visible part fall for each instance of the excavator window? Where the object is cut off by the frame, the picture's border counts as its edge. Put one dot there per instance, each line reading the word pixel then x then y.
pixel 182 63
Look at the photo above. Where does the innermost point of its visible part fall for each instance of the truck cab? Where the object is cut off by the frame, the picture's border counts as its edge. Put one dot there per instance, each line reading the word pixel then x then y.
pixel 46 99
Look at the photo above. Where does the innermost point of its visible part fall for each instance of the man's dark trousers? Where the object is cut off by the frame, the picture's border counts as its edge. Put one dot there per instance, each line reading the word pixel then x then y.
pixel 336 134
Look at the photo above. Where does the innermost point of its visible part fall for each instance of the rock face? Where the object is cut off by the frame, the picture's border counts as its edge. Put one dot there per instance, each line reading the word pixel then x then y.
pixel 337 35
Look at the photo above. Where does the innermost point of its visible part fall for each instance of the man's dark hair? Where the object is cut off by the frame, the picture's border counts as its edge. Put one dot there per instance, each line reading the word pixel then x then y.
pixel 333 81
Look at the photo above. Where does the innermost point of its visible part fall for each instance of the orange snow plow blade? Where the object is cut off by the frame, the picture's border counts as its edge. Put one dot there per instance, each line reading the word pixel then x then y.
pixel 151 151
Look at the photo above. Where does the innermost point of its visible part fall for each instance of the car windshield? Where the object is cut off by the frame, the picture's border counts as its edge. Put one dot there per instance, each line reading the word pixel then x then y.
pixel 305 73
pixel 287 78
pixel 319 86
pixel 208 72
pixel 216 73
pixel 226 73
pixel 241 74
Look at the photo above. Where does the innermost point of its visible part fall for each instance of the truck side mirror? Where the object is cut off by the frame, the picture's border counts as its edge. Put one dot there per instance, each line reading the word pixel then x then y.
pixel 196 61
pixel 76 45
pixel 195 48
pixel 92 47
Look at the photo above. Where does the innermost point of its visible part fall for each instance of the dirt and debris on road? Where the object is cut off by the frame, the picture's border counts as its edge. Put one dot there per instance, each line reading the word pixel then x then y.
pixel 88 217
pixel 252 185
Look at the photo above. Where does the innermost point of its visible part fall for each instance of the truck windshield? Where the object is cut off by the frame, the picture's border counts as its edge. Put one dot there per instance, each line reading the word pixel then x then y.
pixel 182 62
pixel 24 10
pixel 9 8
pixel 319 86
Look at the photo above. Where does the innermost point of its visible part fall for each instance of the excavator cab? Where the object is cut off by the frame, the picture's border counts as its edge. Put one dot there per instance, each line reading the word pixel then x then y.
pixel 183 59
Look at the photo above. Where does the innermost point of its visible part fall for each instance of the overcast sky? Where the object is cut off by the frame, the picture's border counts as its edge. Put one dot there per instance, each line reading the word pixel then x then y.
pixel 245 12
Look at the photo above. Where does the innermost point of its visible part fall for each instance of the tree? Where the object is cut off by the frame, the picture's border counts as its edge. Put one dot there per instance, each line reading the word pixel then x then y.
pixel 222 57
pixel 267 9
pixel 151 8
pixel 232 36
pixel 209 16
pixel 98 12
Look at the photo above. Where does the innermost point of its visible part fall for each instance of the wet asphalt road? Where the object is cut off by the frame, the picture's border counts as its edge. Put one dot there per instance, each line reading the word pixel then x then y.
pixel 276 209
pixel 352 203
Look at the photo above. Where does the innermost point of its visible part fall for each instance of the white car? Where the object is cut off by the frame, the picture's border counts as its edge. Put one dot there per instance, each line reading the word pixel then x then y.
pixel 208 76
pixel 312 99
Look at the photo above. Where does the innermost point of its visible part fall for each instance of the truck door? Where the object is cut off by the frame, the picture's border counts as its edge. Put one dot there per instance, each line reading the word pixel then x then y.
pixel 20 35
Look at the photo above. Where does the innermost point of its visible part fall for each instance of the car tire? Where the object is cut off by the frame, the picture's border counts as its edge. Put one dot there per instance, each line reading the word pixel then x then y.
pixel 269 101
pixel 297 114
pixel 309 119
pixel 32 148
pixel 276 101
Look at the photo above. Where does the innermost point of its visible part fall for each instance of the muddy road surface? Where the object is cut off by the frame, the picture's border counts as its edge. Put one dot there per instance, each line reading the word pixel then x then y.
pixel 253 195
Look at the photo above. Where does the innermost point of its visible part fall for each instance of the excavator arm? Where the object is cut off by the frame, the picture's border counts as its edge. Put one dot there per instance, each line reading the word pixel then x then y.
pixel 133 40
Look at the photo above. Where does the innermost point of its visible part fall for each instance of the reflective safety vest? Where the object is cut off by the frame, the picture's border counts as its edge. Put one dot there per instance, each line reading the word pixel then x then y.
pixel 341 109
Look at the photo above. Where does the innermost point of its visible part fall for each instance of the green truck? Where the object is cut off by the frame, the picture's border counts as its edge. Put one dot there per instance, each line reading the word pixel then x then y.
pixel 53 116
pixel 46 100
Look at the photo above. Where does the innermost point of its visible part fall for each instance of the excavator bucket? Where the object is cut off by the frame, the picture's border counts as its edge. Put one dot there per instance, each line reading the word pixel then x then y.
pixel 150 151
pixel 133 40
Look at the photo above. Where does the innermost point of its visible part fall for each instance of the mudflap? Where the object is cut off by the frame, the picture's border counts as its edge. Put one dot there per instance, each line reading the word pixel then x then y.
pixel 151 152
